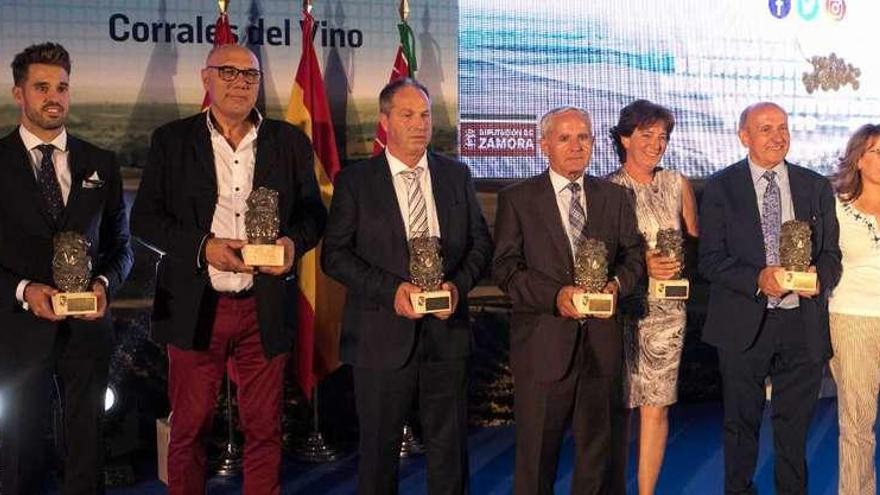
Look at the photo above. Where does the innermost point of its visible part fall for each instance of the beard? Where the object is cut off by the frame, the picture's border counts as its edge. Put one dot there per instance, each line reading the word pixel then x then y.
pixel 44 121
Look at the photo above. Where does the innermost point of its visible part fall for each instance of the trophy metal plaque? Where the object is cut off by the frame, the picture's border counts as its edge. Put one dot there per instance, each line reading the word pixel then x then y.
pixel 261 225
pixel 72 273
pixel 426 270
pixel 591 275
pixel 795 253
pixel 670 243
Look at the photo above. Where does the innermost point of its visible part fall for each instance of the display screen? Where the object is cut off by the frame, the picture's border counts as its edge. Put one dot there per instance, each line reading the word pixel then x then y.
pixel 704 60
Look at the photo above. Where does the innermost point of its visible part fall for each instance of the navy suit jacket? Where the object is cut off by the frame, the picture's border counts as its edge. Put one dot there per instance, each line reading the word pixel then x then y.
pixel 732 256
pixel 365 249
pixel 26 233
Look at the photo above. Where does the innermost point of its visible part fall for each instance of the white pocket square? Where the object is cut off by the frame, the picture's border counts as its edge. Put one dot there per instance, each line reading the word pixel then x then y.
pixel 93 181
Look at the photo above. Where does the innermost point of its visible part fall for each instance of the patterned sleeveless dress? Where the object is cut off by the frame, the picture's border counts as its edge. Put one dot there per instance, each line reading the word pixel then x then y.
pixel 654 330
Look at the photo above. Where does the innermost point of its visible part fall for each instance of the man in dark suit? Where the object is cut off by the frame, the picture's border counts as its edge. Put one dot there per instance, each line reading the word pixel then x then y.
pixel 52 182
pixel 378 205
pixel 209 306
pixel 565 367
pixel 761 330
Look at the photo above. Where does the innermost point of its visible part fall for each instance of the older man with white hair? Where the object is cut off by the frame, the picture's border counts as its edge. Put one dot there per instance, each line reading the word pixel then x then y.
pixel 566 367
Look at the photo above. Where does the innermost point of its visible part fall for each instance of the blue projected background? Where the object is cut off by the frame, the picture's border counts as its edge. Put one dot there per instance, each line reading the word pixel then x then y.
pixel 705 60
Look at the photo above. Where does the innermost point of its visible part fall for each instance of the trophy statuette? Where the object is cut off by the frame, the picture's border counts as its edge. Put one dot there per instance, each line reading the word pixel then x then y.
pixel 261 225
pixel 426 271
pixel 591 275
pixel 795 253
pixel 72 273
pixel 670 244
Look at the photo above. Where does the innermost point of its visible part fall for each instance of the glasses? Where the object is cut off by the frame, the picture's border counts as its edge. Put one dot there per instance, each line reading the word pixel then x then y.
pixel 229 73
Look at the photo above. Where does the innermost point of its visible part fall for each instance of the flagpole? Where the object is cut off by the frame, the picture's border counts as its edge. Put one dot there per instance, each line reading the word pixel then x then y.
pixel 314 448
pixel 229 463
pixel 407 38
pixel 409 444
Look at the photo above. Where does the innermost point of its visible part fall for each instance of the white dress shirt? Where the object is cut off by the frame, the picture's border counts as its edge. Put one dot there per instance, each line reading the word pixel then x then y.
pixel 400 189
pixel 563 202
pixel 235 177
pixel 62 173
pixel 59 158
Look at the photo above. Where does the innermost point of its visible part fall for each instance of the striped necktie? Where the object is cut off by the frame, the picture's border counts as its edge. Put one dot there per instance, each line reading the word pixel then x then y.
pixel 418 210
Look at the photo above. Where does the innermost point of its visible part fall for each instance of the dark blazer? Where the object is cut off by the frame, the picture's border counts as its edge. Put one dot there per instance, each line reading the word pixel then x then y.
pixel 26 231
pixel 174 210
pixel 533 262
pixel 732 255
pixel 365 249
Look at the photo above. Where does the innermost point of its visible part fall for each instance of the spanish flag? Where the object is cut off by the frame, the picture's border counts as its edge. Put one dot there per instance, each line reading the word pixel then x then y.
pixel 320 298
pixel 404 66
pixel 223 35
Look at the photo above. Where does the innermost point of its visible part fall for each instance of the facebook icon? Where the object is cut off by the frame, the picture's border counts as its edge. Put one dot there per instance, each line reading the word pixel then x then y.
pixel 779 8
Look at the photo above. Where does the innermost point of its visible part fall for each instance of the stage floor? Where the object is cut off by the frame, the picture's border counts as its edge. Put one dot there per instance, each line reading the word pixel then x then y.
pixel 693 461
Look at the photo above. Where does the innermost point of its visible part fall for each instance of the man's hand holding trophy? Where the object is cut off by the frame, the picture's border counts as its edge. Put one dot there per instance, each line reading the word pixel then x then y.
pixel 426 270
pixel 597 295
pixel 77 294
pixel 795 253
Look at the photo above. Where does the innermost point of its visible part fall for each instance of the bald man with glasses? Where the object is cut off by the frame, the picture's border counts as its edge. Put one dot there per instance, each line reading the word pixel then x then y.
pixel 210 307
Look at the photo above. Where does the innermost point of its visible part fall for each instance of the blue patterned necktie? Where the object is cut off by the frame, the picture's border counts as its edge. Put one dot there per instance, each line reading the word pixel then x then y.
pixel 771 218
pixel 48 181
pixel 771 223
pixel 418 209
pixel 577 218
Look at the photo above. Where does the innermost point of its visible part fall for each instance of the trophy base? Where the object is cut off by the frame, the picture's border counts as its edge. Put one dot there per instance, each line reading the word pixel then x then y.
pixel 431 302
pixel 600 304
pixel 669 289
pixel 263 254
pixel 75 303
pixel 797 281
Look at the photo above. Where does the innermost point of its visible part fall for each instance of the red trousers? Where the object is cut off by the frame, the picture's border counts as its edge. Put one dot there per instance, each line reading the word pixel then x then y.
pixel 194 379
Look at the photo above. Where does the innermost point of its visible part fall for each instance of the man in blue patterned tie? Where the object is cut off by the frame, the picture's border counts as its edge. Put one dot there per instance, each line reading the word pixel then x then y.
pixel 759 329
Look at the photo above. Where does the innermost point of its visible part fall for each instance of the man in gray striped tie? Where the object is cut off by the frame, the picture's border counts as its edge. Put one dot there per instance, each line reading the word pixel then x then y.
pixel 566 368
pixel 397 354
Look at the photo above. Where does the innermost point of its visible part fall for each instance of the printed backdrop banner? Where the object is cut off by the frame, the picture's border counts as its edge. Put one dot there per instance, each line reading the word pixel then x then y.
pixel 136 62
pixel 705 60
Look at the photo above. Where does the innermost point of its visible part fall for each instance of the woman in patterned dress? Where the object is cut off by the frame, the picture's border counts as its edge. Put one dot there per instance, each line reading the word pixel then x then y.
pixel 653 328
pixel 854 311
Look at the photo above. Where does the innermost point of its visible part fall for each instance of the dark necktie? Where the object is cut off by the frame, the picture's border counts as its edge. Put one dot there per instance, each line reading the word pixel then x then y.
pixel 49 185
